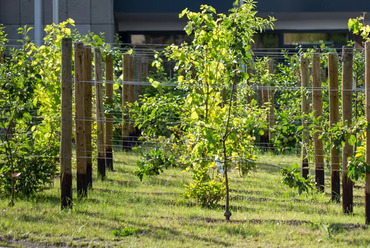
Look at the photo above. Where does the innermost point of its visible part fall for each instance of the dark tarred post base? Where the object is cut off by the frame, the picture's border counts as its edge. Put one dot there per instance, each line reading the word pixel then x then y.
pixel 335 186
pixel 89 175
pixel 320 179
pixel 66 194
pixel 81 185
pixel 101 168
pixel 305 169
pixel 367 208
pixel 347 195
pixel 109 159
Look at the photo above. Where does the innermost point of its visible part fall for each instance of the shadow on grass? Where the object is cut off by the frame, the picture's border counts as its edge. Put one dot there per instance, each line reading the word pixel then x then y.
pixel 108 191
pixel 160 232
pixel 246 191
pixel 129 184
pixel 362 242
pixel 165 182
pixel 345 226
pixel 37 218
pixel 45 198
pixel 157 193
pixel 270 168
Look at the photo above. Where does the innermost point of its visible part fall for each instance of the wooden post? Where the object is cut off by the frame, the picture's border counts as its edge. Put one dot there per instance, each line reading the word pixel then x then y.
pixel 87 64
pixel 66 126
pixel 140 77
pixel 99 112
pixel 367 111
pixel 305 110
pixel 347 184
pixel 126 97
pixel 144 73
pixel 317 108
pixel 264 139
pixel 109 117
pixel 334 118
pixel 79 119
pixel 132 94
pixel 271 99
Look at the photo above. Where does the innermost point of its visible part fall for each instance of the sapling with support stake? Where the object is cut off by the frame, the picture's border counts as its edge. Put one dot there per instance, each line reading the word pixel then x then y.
pixel 215 118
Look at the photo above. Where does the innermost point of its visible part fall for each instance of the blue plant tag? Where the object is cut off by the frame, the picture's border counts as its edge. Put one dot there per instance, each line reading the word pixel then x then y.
pixel 219 165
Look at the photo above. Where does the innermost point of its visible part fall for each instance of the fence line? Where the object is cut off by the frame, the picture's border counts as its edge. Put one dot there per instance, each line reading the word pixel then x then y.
pixel 135 71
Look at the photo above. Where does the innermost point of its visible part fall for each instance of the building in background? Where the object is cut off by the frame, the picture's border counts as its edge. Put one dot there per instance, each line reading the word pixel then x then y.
pixel 90 15
pixel 156 22
pixel 298 21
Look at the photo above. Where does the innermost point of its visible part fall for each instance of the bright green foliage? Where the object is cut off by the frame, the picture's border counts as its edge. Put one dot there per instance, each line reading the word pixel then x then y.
pixel 30 107
pixel 153 163
pixel 3 40
pixel 157 116
pixel 206 191
pixel 159 113
pixel 293 179
pixel 357 26
pixel 357 166
pixel 29 138
pixel 288 103
pixel 215 118
pixel 220 122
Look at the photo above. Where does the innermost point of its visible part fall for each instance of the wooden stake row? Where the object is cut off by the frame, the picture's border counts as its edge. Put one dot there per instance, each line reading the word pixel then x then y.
pixel 347 69
pixel 83 118
pixel 83 114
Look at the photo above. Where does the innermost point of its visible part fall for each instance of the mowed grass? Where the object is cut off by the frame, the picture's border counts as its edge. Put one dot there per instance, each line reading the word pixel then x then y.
pixel 124 212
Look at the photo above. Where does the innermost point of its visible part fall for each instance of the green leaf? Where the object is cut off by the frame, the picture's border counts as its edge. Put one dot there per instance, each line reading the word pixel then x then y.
pixel 194 115
pixel 155 84
pixel 300 128
pixel 352 140
pixel 180 79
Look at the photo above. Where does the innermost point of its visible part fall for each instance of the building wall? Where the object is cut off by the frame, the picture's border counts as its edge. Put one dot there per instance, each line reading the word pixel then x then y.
pixel 90 15
pixel 148 15
pixel 170 6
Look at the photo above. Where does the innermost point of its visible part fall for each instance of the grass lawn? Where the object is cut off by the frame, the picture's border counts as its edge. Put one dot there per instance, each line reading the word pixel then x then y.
pixel 124 212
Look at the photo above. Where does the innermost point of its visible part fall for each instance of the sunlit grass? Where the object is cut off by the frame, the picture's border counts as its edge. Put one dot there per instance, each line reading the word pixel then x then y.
pixel 264 214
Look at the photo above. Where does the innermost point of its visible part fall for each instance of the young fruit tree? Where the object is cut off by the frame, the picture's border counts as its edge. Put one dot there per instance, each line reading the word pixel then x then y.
pixel 215 123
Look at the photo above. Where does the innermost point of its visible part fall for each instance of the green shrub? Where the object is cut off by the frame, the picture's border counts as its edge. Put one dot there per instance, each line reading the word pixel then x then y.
pixel 207 192
pixel 293 179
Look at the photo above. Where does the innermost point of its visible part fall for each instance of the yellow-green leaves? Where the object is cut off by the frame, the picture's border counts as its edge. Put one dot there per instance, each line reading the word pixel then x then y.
pixel 155 84
pixel 183 13
pixel 194 115
pixel 356 25
pixel 180 79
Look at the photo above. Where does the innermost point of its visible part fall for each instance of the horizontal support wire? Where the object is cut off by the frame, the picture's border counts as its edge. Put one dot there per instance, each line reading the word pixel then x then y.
pixel 147 50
